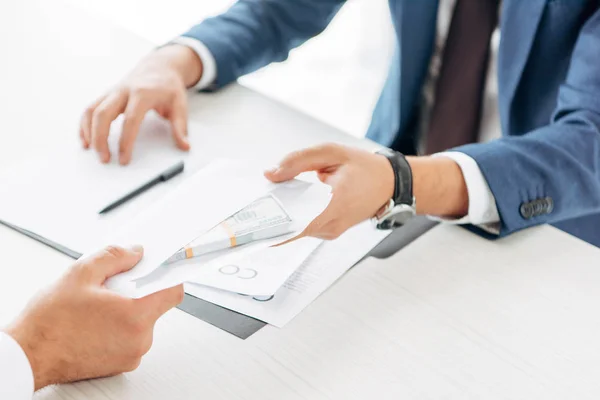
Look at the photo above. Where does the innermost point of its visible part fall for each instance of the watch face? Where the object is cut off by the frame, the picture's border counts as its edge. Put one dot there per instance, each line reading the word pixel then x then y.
pixel 396 217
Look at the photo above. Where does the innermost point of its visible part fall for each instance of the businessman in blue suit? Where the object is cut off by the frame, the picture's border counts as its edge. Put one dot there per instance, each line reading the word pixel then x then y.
pixel 540 164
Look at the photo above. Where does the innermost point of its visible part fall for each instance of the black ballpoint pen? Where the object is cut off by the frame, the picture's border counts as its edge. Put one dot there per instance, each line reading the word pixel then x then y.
pixel 163 177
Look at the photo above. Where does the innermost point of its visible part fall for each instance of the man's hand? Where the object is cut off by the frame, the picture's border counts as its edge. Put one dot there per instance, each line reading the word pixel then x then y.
pixel 158 83
pixel 361 182
pixel 80 330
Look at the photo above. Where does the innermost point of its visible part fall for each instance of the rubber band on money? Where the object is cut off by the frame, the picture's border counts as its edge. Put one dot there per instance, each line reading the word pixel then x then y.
pixel 189 253
pixel 230 233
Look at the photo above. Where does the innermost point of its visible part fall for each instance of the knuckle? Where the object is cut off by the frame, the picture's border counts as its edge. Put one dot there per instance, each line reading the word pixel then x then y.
pixel 293 156
pixel 329 147
pixel 298 156
pixel 335 150
pixel 78 270
pixel 179 295
pixel 141 346
pixel 140 350
pixel 326 148
pixel 100 113
pixel 340 152
pixel 137 328
pixel 145 92
pixel 89 111
pixel 140 92
pixel 129 118
pixel 133 364
pixel 145 346
pixel 114 251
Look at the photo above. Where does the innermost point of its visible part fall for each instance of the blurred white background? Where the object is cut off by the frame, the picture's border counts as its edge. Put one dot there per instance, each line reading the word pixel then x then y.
pixel 336 77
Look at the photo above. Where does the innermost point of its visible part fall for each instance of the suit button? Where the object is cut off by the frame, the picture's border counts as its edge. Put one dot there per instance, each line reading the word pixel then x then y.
pixel 549 203
pixel 526 210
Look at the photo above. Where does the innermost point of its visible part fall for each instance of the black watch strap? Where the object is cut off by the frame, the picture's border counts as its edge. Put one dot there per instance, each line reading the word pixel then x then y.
pixel 403 189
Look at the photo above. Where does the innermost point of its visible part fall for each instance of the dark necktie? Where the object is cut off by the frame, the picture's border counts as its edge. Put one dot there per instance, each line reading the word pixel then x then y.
pixel 459 89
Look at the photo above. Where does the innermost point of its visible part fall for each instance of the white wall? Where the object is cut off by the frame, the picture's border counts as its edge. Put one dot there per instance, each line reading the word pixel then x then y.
pixel 335 77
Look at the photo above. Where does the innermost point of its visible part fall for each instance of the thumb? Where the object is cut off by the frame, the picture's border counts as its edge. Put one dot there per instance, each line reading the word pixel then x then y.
pixel 156 304
pixel 111 261
pixel 311 159
pixel 317 228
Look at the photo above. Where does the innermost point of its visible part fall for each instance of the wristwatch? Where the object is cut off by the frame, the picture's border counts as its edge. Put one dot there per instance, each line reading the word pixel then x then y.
pixel 402 206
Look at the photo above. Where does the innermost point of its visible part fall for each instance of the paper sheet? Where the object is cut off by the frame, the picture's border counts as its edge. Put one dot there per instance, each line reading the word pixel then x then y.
pixel 319 271
pixel 58 196
pixel 202 202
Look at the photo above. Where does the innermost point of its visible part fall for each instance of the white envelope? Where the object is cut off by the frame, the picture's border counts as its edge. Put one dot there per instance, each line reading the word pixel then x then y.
pixel 202 202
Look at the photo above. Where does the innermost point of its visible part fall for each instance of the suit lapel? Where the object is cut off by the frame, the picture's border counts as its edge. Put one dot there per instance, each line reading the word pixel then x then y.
pixel 520 21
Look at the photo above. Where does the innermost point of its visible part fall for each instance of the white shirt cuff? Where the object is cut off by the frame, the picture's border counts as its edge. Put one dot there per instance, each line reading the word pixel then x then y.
pixel 16 376
pixel 209 65
pixel 483 211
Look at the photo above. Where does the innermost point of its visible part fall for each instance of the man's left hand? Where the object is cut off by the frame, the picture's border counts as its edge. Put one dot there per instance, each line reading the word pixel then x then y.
pixel 361 182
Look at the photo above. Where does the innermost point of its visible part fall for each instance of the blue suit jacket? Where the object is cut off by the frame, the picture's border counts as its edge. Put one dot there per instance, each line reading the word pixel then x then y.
pixel 549 93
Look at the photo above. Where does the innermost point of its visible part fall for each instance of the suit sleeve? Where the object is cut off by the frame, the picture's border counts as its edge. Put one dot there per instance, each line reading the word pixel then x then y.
pixel 254 33
pixel 559 162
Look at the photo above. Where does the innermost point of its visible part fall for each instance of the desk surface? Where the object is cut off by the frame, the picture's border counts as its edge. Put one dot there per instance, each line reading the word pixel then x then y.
pixel 451 316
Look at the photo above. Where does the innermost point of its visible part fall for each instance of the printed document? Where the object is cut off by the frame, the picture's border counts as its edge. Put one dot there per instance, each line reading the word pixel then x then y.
pixel 319 271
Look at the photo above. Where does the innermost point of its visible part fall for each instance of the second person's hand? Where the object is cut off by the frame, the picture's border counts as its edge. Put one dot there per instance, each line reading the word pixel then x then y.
pixel 78 329
pixel 159 83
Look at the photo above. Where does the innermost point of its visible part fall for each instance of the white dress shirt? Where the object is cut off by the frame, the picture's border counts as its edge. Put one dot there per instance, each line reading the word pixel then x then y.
pixel 16 377
pixel 482 205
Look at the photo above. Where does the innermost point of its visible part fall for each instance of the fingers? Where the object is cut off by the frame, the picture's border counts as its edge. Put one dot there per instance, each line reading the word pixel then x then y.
pixel 178 118
pixel 84 142
pixel 96 120
pixel 159 303
pixel 85 129
pixel 109 262
pixel 134 115
pixel 103 116
pixel 311 159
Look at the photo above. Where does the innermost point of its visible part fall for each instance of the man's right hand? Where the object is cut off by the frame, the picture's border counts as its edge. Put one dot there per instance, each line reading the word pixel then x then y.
pixel 80 330
pixel 158 83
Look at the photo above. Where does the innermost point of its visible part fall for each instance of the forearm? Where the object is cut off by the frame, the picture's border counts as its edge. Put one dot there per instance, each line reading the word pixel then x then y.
pixel 556 166
pixel 254 33
pixel 439 187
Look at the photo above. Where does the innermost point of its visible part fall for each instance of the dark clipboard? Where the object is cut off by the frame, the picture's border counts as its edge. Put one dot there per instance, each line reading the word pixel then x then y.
pixel 241 325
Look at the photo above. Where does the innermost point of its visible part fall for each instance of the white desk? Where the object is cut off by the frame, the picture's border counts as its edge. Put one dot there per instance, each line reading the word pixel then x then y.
pixel 452 316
